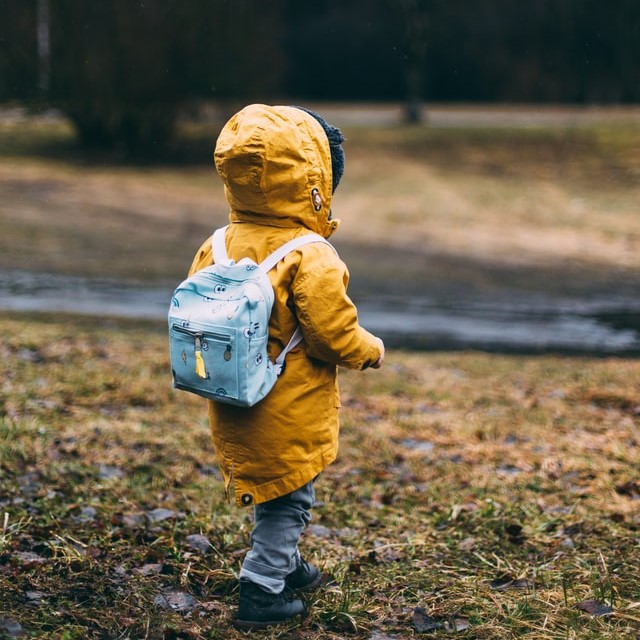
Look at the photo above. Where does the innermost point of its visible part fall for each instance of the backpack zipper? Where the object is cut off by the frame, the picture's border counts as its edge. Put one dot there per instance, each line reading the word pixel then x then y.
pixel 195 333
pixel 197 336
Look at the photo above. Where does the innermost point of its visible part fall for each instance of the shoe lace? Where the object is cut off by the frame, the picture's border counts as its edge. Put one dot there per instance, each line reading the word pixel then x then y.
pixel 304 566
pixel 288 595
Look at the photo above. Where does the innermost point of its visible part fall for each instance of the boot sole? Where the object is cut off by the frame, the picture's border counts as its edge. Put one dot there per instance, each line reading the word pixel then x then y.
pixel 252 625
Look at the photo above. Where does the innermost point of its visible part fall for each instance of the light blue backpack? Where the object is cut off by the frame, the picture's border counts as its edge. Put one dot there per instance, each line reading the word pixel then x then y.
pixel 219 327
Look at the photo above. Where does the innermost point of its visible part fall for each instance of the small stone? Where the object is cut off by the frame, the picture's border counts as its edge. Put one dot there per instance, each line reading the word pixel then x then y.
pixel 29 558
pixel 595 608
pixel 107 472
pixel 160 514
pixel 176 601
pixel 198 542
pixel 87 514
pixel 467 544
pixel 151 569
pixel 10 627
pixel 133 520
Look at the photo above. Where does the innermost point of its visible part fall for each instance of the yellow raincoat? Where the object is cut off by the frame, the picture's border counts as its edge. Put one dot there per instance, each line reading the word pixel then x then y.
pixel 276 167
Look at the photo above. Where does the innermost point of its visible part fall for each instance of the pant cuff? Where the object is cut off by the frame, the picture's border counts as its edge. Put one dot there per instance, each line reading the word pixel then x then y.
pixel 257 573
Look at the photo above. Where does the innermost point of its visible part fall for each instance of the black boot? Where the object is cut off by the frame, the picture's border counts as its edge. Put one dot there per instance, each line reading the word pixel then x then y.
pixel 304 578
pixel 259 608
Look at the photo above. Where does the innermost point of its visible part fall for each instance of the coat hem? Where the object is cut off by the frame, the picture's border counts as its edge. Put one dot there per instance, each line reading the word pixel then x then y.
pixel 282 486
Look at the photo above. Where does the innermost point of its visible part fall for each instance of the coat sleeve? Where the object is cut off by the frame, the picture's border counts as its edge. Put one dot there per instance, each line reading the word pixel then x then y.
pixel 328 317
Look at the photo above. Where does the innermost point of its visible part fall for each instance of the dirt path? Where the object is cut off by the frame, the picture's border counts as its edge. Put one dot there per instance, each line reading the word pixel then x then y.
pixel 454 115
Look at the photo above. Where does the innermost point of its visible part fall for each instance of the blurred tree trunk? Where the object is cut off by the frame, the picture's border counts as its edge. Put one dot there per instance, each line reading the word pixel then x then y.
pixel 18 50
pixel 44 48
pixel 415 22
pixel 112 72
pixel 122 70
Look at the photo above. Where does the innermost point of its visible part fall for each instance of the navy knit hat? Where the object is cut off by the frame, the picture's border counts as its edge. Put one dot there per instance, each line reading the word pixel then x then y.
pixel 335 137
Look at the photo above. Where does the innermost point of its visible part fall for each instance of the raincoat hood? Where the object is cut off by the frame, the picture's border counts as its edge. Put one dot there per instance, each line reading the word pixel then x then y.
pixel 275 162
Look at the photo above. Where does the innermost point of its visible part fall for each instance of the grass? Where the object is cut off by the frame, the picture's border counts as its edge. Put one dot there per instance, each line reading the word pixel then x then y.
pixel 488 493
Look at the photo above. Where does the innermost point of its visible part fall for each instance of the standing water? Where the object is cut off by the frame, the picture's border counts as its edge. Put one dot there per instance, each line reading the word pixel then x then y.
pixel 604 327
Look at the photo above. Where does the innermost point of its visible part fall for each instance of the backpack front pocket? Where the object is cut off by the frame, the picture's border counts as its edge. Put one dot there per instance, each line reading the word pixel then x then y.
pixel 198 355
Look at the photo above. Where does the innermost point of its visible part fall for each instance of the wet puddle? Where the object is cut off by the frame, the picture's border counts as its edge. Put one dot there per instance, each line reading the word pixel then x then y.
pixel 602 327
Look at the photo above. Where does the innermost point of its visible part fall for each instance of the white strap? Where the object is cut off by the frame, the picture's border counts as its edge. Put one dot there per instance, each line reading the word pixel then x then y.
pixel 272 260
pixel 296 339
pixel 219 248
pixel 218 245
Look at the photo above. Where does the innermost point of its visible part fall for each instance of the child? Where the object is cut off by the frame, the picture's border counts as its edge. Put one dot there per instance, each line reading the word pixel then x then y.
pixel 280 166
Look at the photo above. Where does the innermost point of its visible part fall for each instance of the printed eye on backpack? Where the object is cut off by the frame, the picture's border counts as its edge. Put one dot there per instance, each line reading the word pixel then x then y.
pixel 219 327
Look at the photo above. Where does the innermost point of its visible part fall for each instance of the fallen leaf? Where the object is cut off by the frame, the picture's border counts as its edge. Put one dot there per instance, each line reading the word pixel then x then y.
pixel 29 558
pixel 504 582
pixel 385 555
pixel 160 514
pixel 12 628
pixel 198 542
pixel 133 520
pixel 320 531
pixel 213 605
pixel 176 601
pixel 423 622
pixel 457 624
pixel 421 446
pixel 87 514
pixel 151 569
pixel 509 470
pixel 467 544
pixel 108 472
pixel 595 607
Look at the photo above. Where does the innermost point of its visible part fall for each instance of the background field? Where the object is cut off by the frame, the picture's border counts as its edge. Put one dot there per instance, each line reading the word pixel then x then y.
pixel 476 495
pixel 477 203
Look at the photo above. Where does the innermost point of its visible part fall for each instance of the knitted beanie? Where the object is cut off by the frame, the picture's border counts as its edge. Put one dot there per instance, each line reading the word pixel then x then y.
pixel 335 137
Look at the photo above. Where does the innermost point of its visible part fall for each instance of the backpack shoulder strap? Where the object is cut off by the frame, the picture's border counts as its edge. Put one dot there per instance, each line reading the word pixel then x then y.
pixel 219 246
pixel 272 260
pixel 294 341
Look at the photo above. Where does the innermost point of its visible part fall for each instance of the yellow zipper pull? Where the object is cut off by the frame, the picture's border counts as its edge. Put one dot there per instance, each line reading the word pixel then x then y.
pixel 200 370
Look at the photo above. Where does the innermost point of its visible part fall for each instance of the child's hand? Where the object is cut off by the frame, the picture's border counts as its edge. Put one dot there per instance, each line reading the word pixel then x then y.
pixel 378 363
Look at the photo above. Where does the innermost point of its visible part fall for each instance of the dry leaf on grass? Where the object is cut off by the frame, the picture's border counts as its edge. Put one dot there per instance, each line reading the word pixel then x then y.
pixel 176 601
pixel 425 623
pixel 595 608
pixel 504 582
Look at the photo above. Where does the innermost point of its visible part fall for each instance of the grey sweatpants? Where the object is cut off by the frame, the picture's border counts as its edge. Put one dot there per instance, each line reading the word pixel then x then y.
pixel 274 539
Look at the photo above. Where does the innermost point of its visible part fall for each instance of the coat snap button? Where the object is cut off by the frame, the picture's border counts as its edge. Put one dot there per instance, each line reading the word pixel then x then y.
pixel 317 199
pixel 246 498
